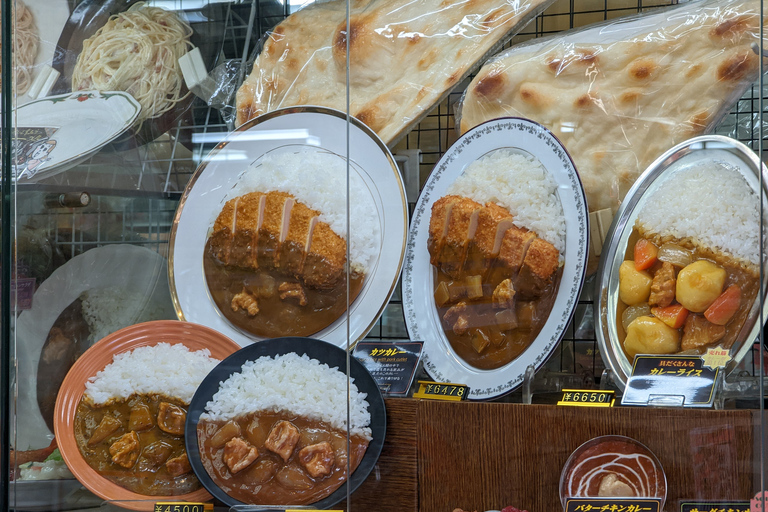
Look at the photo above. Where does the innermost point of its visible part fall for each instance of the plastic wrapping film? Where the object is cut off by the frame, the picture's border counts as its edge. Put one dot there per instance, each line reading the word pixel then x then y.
pixel 618 94
pixel 405 57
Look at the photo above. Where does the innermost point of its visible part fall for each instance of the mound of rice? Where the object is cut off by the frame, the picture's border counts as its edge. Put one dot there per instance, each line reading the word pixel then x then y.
pixel 170 370
pixel 520 184
pixel 319 180
pixel 710 203
pixel 107 310
pixel 292 383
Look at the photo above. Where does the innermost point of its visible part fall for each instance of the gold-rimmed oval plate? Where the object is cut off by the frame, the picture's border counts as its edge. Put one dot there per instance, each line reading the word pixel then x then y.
pixel 194 337
pixel 237 159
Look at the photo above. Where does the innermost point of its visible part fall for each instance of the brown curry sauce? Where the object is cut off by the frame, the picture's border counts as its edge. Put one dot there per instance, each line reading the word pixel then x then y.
pixel 149 475
pixel 269 480
pixel 736 274
pixel 276 317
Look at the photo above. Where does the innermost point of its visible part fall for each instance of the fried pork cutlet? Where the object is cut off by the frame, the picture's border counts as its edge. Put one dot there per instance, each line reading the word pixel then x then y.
pixel 462 225
pixel 540 263
pixel 438 226
pixel 274 226
pixel 274 231
pixel 492 222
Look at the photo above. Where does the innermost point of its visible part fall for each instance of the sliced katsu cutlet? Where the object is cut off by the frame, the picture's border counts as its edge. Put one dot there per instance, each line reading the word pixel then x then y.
pixel 248 217
pixel 438 226
pixel 461 229
pixel 538 269
pixel 223 232
pixel 324 264
pixel 293 250
pixel 514 246
pixel 274 227
pixel 492 222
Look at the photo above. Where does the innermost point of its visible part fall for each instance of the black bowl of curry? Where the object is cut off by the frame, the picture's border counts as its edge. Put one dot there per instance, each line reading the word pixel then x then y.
pixel 287 446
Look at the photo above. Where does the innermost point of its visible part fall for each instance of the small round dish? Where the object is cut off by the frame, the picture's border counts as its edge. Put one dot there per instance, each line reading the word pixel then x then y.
pixel 324 352
pixel 194 337
pixel 292 130
pixel 632 466
pixel 698 150
pixel 421 315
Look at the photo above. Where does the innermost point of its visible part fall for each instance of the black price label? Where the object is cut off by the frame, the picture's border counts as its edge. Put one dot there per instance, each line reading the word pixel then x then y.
pixel 685 380
pixel 442 391
pixel 612 505
pixel 182 506
pixel 714 506
pixel 587 398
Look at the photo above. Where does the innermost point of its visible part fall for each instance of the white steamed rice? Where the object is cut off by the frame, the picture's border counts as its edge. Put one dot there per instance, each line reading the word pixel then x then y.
pixel 710 203
pixel 107 310
pixel 170 370
pixel 292 383
pixel 520 184
pixel 319 180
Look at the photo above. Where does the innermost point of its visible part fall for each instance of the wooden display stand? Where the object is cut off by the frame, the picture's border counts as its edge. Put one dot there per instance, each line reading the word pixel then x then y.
pixel 485 456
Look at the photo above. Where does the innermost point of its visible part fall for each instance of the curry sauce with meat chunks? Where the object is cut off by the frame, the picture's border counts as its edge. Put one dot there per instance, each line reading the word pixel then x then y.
pixel 277 458
pixel 678 297
pixel 137 443
pixel 495 282
pixel 273 268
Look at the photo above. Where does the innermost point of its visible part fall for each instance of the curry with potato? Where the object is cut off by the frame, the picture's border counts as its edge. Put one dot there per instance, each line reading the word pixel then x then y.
pixel 677 297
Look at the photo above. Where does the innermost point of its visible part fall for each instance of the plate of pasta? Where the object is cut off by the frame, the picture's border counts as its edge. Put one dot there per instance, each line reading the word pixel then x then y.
pixel 134 47
pixel 37 25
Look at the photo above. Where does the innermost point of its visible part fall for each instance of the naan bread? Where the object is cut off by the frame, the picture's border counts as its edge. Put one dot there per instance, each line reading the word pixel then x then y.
pixel 620 94
pixel 405 56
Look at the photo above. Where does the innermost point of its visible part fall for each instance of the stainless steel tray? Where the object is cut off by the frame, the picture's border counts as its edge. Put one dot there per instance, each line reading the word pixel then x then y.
pixel 704 148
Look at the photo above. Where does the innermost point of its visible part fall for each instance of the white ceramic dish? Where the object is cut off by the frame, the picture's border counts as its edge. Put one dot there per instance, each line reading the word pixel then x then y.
pixel 705 148
pixel 85 121
pixel 284 131
pixel 128 269
pixel 421 316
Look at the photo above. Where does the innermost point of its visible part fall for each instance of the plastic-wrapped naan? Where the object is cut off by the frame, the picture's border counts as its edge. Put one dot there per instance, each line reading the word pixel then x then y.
pixel 405 56
pixel 619 94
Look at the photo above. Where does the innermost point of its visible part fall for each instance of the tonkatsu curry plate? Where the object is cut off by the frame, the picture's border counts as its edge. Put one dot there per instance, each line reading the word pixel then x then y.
pixel 681 273
pixel 261 246
pixel 496 256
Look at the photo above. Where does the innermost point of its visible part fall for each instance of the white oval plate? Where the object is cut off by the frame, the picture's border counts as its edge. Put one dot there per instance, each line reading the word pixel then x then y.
pixel 85 121
pixel 122 267
pixel 698 149
pixel 421 316
pixel 284 130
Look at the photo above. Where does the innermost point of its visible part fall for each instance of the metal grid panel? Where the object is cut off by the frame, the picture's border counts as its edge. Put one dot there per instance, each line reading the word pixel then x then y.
pixel 166 165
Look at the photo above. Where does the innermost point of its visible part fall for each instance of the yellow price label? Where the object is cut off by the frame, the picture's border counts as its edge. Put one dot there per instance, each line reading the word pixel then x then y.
pixel 182 506
pixel 442 391
pixel 588 398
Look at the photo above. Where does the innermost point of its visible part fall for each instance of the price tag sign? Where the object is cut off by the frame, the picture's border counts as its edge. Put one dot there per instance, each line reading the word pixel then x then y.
pixel 182 506
pixel 613 505
pixel 392 364
pixel 670 380
pixel 442 391
pixel 714 506
pixel 587 398
pixel 22 291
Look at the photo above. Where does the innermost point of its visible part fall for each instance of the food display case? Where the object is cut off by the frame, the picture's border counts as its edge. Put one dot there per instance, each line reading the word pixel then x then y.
pixel 487 255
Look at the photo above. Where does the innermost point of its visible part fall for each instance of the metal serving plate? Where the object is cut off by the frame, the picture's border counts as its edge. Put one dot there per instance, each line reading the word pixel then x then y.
pixel 699 149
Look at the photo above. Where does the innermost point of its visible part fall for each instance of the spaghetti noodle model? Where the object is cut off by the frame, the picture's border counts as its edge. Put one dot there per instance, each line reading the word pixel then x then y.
pixel 26 41
pixel 137 51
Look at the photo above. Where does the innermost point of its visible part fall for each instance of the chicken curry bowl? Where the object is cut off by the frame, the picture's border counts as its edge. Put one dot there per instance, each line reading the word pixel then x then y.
pixel 129 424
pixel 690 274
pixel 275 261
pixel 496 244
pixel 275 433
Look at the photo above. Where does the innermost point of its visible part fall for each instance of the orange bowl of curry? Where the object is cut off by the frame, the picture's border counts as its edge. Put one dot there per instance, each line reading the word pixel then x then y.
pixel 120 415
